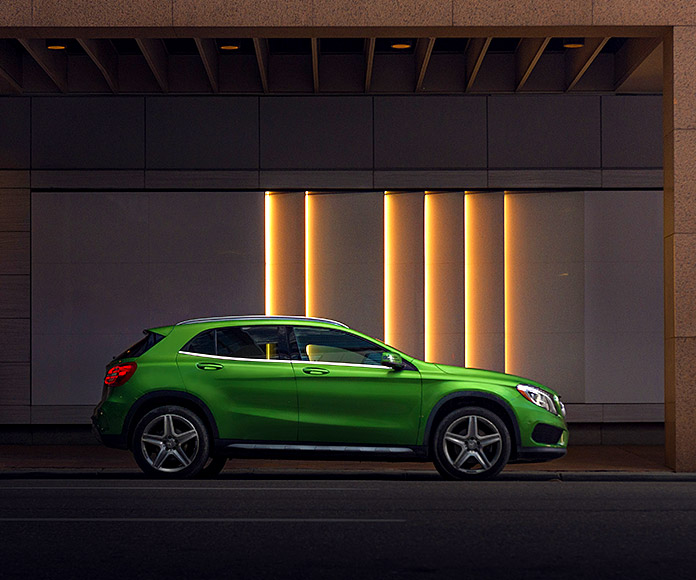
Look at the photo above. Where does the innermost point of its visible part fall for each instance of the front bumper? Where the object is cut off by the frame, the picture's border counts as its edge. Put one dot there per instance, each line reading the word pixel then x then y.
pixel 539 454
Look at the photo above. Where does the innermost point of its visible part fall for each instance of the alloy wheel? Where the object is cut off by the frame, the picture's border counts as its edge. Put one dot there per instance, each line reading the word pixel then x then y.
pixel 169 443
pixel 472 444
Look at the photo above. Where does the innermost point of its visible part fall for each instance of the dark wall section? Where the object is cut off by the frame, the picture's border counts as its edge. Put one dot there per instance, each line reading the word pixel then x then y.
pixel 330 142
pixel 14 133
pixel 202 133
pixel 631 127
pixel 430 133
pixel 88 133
pixel 316 133
pixel 544 132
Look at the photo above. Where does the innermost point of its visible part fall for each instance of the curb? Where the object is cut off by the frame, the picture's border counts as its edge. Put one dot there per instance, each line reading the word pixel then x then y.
pixel 387 475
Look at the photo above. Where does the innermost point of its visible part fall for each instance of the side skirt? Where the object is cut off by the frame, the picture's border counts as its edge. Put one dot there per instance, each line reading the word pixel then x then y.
pixel 336 451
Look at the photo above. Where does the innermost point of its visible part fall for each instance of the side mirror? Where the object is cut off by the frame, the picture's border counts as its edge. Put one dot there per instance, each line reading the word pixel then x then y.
pixel 392 360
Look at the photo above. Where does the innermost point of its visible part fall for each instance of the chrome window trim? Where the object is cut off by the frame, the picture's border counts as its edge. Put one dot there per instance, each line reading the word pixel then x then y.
pixel 216 356
pixel 283 360
pixel 340 364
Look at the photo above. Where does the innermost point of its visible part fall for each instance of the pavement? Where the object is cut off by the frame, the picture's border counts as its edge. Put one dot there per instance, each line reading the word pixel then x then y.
pixel 376 525
pixel 605 461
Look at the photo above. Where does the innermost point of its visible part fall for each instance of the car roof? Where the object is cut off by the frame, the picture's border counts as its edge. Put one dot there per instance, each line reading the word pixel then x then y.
pixel 262 318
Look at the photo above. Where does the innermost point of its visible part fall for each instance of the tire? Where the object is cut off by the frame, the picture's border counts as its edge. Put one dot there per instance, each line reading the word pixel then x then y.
pixel 171 441
pixel 214 467
pixel 471 443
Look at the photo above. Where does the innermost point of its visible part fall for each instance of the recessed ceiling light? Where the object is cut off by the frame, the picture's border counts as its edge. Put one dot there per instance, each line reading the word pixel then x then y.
pixel 573 42
pixel 229 46
pixel 401 44
pixel 56 44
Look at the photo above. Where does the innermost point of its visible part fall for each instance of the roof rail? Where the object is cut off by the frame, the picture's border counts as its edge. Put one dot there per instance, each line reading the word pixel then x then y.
pixel 263 317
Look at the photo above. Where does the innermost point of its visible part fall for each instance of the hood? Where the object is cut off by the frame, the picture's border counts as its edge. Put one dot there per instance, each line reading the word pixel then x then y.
pixel 491 377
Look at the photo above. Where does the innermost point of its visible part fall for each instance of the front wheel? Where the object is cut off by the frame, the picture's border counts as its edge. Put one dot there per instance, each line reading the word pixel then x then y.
pixel 171 441
pixel 471 443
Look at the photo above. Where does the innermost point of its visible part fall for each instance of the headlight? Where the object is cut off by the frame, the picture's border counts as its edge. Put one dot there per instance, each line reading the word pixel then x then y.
pixel 538 397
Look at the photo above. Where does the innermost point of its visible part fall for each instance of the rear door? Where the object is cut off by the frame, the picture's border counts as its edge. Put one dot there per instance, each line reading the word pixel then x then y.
pixel 245 376
pixel 346 396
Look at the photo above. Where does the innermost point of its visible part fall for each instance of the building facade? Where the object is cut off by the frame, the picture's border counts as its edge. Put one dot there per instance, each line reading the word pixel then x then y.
pixel 503 187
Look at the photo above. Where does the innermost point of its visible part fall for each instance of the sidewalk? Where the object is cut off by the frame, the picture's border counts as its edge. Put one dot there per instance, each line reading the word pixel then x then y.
pixel 97 459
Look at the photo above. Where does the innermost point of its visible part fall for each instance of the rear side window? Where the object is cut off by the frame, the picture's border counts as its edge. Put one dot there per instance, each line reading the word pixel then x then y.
pixel 142 346
pixel 254 342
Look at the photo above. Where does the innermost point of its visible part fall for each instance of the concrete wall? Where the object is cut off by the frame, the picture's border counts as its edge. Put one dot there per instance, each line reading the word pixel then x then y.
pixel 107 265
pixel 581 287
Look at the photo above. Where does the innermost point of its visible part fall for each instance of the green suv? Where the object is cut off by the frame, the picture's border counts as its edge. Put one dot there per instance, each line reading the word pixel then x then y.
pixel 186 397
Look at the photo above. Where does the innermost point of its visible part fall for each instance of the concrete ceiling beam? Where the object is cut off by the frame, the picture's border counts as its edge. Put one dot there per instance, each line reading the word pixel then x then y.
pixel 262 58
pixel 370 44
pixel 157 59
pixel 527 56
pixel 209 56
pixel 53 62
pixel 105 57
pixel 630 56
pixel 315 63
pixel 424 49
pixel 578 60
pixel 475 53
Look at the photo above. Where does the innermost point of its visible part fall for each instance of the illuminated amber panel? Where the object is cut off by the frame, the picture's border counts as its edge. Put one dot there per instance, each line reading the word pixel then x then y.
pixel 444 277
pixel 403 272
pixel 284 245
pixel 485 281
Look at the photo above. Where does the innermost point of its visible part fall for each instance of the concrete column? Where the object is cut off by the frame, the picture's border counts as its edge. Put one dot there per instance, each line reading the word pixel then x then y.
pixel 485 281
pixel 444 280
pixel 403 272
pixel 679 125
pixel 285 253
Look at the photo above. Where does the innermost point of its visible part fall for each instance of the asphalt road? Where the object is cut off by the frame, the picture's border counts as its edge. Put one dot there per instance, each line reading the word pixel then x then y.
pixel 384 527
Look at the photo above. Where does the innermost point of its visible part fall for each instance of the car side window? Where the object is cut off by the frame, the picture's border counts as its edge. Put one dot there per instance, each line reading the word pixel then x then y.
pixel 336 346
pixel 254 342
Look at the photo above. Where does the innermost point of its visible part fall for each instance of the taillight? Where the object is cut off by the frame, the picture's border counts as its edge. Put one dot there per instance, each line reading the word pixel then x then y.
pixel 119 374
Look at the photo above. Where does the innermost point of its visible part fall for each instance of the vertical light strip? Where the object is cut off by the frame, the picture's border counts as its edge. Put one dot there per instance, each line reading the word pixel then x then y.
pixel 468 285
pixel 387 271
pixel 428 230
pixel 268 244
pixel 507 245
pixel 308 256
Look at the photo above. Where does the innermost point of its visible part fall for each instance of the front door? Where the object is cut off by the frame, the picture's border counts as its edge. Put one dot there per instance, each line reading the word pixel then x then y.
pixel 346 396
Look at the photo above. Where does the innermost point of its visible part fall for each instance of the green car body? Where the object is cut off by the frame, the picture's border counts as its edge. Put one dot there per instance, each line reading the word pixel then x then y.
pixel 305 395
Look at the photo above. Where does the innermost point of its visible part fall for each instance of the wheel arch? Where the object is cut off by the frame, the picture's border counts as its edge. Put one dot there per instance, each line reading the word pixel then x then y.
pixel 487 401
pixel 156 399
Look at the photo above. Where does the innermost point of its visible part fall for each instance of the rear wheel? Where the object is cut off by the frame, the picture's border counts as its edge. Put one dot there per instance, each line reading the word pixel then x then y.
pixel 471 443
pixel 171 441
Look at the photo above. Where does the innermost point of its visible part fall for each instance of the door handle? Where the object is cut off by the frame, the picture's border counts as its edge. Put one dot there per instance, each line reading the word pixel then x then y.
pixel 207 366
pixel 315 371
